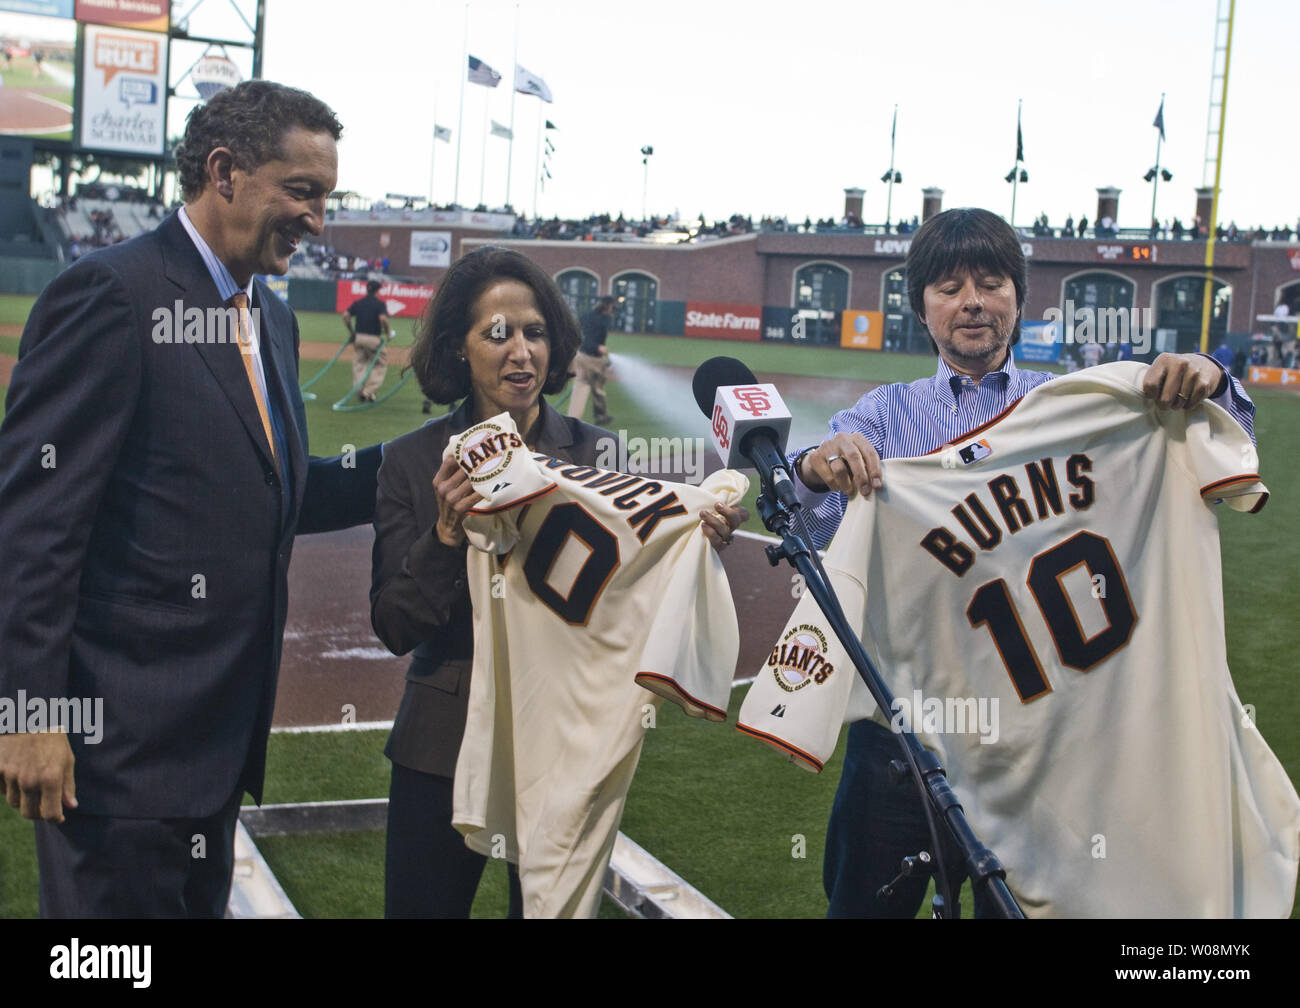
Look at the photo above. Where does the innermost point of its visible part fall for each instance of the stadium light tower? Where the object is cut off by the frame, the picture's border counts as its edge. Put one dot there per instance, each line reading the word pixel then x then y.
pixel 646 151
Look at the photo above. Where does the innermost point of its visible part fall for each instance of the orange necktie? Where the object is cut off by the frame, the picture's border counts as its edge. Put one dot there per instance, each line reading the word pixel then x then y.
pixel 240 301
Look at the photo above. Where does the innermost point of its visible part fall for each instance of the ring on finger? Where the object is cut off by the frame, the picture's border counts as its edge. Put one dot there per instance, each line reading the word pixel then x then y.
pixel 831 458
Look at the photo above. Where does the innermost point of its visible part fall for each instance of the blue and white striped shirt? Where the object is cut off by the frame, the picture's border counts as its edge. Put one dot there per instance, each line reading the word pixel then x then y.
pixel 906 420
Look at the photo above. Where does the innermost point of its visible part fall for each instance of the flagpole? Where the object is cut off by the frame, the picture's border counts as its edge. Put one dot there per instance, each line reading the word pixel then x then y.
pixel 1155 181
pixel 537 168
pixel 460 116
pixel 433 150
pixel 889 200
pixel 482 165
pixel 510 144
pixel 1015 172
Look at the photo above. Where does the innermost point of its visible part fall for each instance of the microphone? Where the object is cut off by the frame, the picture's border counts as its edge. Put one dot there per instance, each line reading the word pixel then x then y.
pixel 749 422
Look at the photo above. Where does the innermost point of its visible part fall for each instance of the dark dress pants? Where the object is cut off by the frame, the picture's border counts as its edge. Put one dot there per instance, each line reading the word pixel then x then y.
pixel 104 866
pixel 429 872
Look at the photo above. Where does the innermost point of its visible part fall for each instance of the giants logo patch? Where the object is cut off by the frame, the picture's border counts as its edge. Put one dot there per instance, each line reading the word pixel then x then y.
pixel 486 451
pixel 800 658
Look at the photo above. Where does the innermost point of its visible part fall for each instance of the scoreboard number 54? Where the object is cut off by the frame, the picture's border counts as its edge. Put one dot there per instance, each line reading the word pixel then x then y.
pixel 992 606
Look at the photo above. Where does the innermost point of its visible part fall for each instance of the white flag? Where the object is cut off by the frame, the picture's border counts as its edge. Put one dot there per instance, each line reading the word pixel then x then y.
pixel 531 84
pixel 481 73
pixel 442 133
pixel 501 131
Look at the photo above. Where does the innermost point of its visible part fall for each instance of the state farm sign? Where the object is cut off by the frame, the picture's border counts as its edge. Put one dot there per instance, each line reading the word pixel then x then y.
pixel 715 320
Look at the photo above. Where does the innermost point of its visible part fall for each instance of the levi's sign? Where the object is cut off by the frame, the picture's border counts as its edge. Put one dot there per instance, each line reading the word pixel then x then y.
pixel 723 321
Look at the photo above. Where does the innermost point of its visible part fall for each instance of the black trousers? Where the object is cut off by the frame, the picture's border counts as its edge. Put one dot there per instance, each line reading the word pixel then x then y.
pixel 876 822
pixel 429 872
pixel 103 866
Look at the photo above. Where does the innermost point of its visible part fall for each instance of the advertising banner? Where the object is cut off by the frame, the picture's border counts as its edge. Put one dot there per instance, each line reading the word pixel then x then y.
pixel 1273 376
pixel 146 15
pixel 403 300
pixel 50 8
pixel 720 320
pixel 124 96
pixel 431 248
pixel 862 330
pixel 1039 341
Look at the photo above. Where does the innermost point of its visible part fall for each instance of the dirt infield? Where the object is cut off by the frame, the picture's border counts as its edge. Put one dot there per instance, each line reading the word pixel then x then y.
pixel 398 356
pixel 334 665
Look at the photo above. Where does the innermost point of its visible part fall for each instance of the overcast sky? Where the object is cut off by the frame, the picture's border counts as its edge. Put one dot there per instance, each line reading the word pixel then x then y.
pixel 764 107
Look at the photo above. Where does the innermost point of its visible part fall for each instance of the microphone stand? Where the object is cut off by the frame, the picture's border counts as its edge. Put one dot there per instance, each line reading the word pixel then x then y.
pixel 986 872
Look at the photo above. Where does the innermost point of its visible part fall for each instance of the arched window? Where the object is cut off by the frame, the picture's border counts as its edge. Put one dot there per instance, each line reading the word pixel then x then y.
pixel 1178 307
pixel 638 297
pixel 902 331
pixel 580 289
pixel 1098 307
pixel 821 289
pixel 1099 290
pixel 1290 296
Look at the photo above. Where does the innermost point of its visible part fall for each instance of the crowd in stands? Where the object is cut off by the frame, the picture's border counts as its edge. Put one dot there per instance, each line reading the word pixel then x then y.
pixel 104 215
pixel 109 213
pixel 595 228
pixel 321 261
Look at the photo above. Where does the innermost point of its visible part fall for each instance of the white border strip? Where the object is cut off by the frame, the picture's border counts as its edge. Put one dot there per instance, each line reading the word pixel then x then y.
pixel 342 727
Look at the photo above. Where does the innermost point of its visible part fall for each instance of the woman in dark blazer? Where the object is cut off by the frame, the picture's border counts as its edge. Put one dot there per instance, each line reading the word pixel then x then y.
pixel 497 336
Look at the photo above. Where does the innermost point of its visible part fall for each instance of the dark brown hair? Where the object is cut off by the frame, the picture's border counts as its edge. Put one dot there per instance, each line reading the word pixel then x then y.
pixel 251 119
pixel 440 334
pixel 966 239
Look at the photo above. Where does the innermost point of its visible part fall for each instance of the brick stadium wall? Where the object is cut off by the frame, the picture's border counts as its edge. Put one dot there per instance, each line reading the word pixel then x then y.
pixel 1274 268
pixel 684 272
pixel 759 269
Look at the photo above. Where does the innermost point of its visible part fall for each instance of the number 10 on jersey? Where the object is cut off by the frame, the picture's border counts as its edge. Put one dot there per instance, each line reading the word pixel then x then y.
pixel 992 606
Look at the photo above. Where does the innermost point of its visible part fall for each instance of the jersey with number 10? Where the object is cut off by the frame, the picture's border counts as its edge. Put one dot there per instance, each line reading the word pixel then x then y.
pixel 1043 595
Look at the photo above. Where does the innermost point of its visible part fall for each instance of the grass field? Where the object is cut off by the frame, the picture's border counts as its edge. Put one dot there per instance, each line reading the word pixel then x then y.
pixel 726 814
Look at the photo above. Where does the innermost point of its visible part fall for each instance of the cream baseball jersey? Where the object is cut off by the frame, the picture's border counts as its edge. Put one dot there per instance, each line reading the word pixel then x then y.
pixel 1043 598
pixel 585 583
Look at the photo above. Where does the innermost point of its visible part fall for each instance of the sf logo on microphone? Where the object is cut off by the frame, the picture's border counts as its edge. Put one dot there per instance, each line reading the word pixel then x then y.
pixel 720 427
pixel 752 399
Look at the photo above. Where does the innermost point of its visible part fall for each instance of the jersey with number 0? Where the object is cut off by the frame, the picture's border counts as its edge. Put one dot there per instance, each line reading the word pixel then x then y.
pixel 587 586
pixel 1043 598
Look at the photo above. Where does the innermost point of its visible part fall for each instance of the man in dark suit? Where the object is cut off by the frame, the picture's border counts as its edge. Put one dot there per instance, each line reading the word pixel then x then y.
pixel 156 472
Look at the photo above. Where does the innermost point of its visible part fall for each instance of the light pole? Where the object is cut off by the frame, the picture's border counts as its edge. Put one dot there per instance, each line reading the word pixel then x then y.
pixel 646 151
pixel 1017 174
pixel 1154 175
pixel 891 176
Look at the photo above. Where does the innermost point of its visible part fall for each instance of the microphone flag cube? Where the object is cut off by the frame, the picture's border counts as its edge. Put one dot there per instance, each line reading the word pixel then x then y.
pixel 738 411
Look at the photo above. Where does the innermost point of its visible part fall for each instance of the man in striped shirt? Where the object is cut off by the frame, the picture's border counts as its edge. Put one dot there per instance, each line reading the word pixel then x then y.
pixel 966 280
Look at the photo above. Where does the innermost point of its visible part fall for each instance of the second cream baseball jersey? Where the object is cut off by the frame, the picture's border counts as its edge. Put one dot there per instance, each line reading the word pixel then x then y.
pixel 1043 598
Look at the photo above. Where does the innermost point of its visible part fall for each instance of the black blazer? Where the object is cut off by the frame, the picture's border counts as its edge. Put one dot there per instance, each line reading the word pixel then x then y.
pixel 146 531
pixel 419 595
